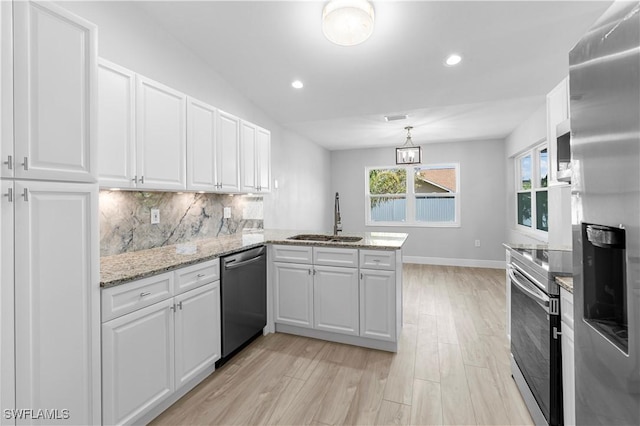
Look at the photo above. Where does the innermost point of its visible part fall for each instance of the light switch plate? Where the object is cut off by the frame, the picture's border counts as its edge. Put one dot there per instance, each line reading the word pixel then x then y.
pixel 155 216
pixel 227 212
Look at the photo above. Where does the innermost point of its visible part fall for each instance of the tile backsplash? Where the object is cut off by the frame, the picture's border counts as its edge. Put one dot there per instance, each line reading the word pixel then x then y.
pixel 125 218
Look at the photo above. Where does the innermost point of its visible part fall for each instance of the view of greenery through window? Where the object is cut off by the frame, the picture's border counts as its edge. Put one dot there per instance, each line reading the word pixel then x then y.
pixel 429 197
pixel 531 197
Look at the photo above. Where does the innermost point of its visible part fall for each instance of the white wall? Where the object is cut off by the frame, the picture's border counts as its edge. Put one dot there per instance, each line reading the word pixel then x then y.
pixel 482 175
pixel 131 39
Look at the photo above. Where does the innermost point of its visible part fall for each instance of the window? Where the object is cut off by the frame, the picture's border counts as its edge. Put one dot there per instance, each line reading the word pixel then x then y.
pixel 427 195
pixel 532 173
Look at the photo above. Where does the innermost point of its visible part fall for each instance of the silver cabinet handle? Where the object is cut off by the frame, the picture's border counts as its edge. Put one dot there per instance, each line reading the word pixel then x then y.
pixel 173 307
pixel 361 276
pixel 199 275
pixel 314 272
pixel 309 271
pixel 135 179
pixel 26 163
pixel 145 293
pixel 9 195
pixel 9 162
pixel 25 194
pixel 180 305
pixel 142 179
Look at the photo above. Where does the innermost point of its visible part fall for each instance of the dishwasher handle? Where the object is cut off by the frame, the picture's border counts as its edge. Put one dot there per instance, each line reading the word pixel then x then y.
pixel 232 264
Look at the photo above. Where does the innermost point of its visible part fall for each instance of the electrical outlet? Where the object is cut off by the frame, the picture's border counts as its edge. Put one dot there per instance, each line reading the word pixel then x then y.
pixel 155 216
pixel 227 212
pixel 477 243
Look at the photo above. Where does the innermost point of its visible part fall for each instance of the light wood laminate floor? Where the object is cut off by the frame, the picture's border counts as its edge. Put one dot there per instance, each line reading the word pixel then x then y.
pixel 452 367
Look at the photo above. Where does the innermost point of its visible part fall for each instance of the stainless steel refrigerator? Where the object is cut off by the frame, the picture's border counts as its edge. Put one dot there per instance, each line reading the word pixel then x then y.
pixel 604 76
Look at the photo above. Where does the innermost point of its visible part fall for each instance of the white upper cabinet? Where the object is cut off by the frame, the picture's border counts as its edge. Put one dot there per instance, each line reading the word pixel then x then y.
pixel 161 136
pixel 248 157
pixel 255 158
pixel 55 82
pixel 7 158
pixel 116 120
pixel 201 155
pixel 263 148
pixel 557 112
pixel 228 153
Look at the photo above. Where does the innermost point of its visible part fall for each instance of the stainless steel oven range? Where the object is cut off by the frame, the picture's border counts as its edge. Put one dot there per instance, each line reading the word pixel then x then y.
pixel 536 361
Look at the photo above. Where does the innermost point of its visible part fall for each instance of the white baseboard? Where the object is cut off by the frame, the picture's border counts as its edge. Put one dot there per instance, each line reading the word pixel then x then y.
pixel 447 261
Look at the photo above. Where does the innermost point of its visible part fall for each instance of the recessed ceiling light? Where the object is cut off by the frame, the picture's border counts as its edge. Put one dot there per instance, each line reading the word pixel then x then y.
pixel 297 84
pixel 453 59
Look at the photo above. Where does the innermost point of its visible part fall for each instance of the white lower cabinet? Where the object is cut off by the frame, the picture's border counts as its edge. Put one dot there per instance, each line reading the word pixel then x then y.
pixel 50 334
pixel 335 299
pixel 568 360
pixel 378 304
pixel 293 294
pixel 151 354
pixel 137 362
pixel 341 300
pixel 197 340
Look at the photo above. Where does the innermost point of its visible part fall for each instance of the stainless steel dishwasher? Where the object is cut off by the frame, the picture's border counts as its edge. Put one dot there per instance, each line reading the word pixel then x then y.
pixel 243 293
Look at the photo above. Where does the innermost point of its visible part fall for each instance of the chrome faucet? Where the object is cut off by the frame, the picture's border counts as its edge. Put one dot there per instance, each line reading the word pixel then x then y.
pixel 337 225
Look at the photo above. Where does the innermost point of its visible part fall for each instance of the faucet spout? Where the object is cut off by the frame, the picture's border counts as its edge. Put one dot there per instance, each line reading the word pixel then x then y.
pixel 337 224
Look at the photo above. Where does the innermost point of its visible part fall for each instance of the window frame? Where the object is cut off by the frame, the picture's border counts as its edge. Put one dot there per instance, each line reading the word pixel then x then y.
pixel 410 197
pixel 536 187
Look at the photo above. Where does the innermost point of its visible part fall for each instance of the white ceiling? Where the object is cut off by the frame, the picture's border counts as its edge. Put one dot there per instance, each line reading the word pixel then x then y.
pixel 513 52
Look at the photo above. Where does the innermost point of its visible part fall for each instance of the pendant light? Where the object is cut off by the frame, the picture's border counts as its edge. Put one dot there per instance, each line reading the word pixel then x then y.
pixel 347 22
pixel 409 153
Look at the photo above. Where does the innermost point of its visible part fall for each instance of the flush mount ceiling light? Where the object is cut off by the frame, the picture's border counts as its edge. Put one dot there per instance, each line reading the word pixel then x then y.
pixel 347 22
pixel 409 153
pixel 453 60
pixel 297 84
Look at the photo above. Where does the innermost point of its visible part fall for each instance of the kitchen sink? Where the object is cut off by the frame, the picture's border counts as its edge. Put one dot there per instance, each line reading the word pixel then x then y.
pixel 326 238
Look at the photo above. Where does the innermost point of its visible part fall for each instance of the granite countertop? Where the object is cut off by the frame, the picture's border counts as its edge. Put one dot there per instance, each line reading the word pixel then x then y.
pixel 566 283
pixel 122 268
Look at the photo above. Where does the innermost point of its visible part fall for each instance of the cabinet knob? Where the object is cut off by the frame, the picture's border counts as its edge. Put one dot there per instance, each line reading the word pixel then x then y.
pixel 9 162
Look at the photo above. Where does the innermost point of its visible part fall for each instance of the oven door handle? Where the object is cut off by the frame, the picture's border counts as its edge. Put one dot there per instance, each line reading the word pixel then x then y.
pixel 531 290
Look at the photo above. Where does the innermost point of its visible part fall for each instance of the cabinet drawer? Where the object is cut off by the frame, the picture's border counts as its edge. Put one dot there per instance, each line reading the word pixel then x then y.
pixel 195 276
pixel 566 307
pixel 292 254
pixel 125 298
pixel 331 256
pixel 378 259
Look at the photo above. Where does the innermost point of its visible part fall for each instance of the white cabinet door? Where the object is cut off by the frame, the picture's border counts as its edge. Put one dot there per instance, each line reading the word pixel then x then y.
pixel 55 84
pixel 201 155
pixel 378 304
pixel 557 112
pixel 161 136
pixel 137 362
pixel 6 91
pixel 293 296
pixel 227 153
pixel 335 300
pixel 116 131
pixel 57 311
pixel 197 331
pixel 248 158
pixel 7 359
pixel 263 148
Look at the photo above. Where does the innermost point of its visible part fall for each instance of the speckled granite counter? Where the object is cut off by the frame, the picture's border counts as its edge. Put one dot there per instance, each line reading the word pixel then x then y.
pixel 566 283
pixel 122 268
